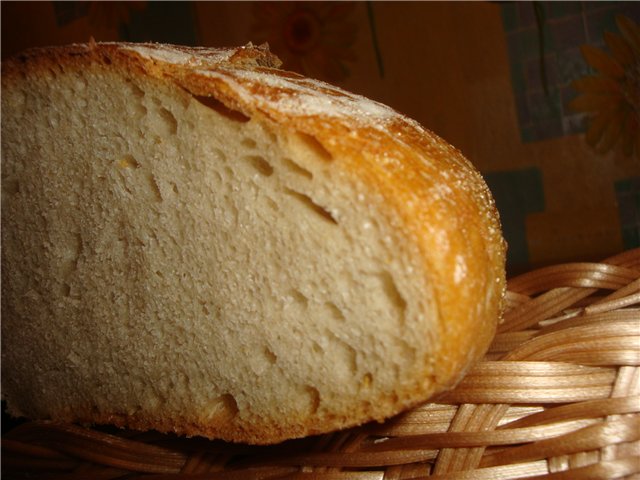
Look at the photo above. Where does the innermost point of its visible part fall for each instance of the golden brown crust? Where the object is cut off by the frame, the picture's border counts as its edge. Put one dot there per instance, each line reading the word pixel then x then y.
pixel 436 197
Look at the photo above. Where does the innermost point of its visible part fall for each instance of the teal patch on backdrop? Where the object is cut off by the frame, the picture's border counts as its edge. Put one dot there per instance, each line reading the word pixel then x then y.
pixel 543 41
pixel 628 196
pixel 517 194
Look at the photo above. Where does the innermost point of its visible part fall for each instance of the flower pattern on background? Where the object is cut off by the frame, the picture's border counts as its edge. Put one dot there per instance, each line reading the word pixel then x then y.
pixel 312 38
pixel 611 96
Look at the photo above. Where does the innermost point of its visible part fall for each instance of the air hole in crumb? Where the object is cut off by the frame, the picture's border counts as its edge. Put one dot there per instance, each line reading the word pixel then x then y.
pixel 295 168
pixel 65 290
pixel 313 398
pixel 335 312
pixel 405 351
pixel 155 189
pixel 140 111
pixel 75 246
pixel 136 91
pixel 299 298
pixel 220 155
pixel 216 176
pixel 223 408
pixel 128 161
pixel 222 109
pixel 269 355
pixel 311 206
pixel 315 146
pixel 367 380
pixel 169 122
pixel 272 204
pixel 260 164
pixel 174 187
pixel 343 354
pixel 106 60
pixel 249 142
pixel 390 289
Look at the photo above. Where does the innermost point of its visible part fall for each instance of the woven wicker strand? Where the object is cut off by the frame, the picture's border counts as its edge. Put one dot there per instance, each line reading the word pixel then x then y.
pixel 556 397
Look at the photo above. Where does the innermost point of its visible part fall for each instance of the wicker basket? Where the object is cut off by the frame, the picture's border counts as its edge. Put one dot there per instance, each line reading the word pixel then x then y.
pixel 557 397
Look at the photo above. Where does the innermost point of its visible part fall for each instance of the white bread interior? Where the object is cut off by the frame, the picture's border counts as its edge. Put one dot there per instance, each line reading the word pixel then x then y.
pixel 171 261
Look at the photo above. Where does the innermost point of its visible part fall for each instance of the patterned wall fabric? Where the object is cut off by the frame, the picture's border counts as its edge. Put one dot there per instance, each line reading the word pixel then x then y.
pixel 545 42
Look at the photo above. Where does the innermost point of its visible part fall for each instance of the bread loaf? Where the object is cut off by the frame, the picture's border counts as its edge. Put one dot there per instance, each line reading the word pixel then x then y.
pixel 195 241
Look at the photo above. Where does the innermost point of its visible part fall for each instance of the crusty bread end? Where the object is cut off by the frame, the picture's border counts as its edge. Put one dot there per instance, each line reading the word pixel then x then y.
pixel 196 242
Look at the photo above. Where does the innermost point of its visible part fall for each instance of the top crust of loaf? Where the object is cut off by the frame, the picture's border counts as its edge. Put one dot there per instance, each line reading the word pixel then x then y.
pixel 434 196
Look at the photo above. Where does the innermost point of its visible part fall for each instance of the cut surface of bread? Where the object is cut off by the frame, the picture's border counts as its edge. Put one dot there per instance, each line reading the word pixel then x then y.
pixel 196 242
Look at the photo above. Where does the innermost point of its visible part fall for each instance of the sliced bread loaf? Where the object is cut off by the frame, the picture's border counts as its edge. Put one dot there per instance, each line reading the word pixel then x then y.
pixel 197 242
